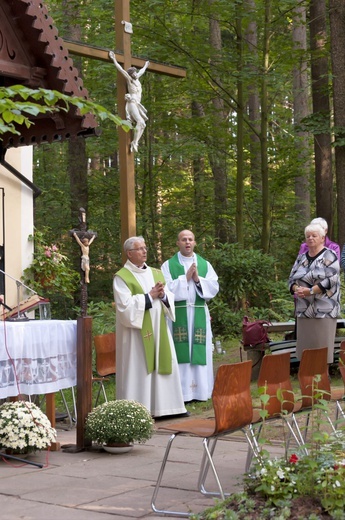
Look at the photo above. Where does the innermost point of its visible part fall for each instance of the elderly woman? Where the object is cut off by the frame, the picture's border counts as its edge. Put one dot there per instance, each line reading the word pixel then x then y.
pixel 315 281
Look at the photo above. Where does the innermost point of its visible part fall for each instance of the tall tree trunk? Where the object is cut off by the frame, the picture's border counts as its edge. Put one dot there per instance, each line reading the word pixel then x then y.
pixel 77 160
pixel 251 37
pixel 337 26
pixel 301 110
pixel 266 220
pixel 240 123
pixel 217 155
pixel 321 106
pixel 198 174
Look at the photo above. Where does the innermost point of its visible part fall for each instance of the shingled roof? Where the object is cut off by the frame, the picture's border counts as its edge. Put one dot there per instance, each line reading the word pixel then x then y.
pixel 33 54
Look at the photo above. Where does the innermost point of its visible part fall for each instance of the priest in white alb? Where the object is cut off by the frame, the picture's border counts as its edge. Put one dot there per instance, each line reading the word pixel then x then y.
pixel 146 365
pixel 194 282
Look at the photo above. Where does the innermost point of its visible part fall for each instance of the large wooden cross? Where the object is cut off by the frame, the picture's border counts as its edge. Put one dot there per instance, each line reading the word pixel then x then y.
pixel 127 192
pixel 126 158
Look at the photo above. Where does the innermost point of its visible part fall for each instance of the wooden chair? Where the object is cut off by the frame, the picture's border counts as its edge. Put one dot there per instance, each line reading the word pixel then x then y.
pixel 275 383
pixel 315 386
pixel 338 394
pixel 233 411
pixel 105 348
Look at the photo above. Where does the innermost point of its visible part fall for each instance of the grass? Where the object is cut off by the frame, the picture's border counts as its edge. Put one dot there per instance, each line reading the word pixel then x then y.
pixel 233 353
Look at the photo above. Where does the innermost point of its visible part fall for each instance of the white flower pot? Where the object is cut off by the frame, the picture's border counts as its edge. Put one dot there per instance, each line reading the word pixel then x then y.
pixel 118 449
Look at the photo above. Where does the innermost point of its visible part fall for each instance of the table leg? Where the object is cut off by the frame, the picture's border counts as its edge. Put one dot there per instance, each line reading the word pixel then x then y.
pixel 50 408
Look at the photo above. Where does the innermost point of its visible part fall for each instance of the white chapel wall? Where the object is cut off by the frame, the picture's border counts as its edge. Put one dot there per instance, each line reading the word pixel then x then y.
pixel 18 206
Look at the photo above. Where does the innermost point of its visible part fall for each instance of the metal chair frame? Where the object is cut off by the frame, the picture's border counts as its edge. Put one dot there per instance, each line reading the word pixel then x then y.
pixel 232 403
pixel 338 394
pixel 313 366
pixel 274 378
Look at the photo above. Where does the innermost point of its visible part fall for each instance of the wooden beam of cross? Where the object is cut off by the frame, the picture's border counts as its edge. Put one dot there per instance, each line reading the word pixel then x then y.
pixel 127 192
pixel 123 31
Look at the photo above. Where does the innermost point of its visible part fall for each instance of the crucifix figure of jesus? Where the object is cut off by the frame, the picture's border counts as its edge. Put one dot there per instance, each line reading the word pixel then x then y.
pixel 123 56
pixel 136 113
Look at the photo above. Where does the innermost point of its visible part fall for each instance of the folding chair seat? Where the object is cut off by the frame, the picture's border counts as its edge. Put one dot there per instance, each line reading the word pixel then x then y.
pixel 338 394
pixel 105 348
pixel 233 410
pixel 274 382
pixel 315 386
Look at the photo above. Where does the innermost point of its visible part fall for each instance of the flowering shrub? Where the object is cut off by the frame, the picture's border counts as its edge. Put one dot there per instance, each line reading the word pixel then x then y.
pixel 321 474
pixel 50 271
pixel 24 427
pixel 120 421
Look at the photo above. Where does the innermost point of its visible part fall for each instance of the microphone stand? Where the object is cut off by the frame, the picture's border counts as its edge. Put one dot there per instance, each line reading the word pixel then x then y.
pixel 20 316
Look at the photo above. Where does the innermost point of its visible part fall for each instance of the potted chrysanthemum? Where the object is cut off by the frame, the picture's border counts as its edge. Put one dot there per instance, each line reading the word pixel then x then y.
pixel 118 424
pixel 24 428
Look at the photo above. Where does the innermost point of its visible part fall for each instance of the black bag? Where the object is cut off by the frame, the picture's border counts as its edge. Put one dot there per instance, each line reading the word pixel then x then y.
pixel 253 332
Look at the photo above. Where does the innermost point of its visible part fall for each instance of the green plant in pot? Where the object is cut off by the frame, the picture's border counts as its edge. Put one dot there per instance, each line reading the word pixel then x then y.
pixel 118 424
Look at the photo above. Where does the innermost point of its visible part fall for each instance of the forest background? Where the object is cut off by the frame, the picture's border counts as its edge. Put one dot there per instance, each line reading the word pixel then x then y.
pixel 244 151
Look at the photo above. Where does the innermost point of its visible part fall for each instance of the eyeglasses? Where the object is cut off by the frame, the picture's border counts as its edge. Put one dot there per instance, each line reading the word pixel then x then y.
pixel 139 249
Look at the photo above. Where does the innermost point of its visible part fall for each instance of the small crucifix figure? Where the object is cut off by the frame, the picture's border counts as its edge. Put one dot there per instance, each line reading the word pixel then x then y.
pixel 84 238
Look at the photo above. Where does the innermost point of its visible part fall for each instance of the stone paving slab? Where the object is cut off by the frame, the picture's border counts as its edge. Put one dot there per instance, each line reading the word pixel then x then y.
pixel 95 485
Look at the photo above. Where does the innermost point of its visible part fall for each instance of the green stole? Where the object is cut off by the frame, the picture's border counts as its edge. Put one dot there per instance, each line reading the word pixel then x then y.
pixel 164 354
pixel 180 326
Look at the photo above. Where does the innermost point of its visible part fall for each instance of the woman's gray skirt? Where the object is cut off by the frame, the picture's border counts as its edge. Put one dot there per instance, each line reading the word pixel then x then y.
pixel 316 333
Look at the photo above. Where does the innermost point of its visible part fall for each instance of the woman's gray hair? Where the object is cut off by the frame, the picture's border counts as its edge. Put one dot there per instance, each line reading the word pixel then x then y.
pixel 129 243
pixel 321 221
pixel 315 227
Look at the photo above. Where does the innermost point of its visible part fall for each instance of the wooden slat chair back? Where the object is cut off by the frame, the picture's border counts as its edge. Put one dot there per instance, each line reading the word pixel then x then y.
pixel 233 411
pixel 314 363
pixel 274 377
pixel 105 348
pixel 231 398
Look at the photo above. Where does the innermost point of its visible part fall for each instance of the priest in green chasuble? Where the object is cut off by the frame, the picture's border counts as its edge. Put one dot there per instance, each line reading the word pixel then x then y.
pixel 146 365
pixel 194 282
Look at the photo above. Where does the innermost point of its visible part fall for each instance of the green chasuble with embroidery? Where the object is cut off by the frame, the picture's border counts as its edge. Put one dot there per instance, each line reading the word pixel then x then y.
pixel 180 326
pixel 164 354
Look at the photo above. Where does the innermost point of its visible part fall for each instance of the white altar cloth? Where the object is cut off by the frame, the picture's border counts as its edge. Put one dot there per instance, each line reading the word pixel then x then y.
pixel 37 356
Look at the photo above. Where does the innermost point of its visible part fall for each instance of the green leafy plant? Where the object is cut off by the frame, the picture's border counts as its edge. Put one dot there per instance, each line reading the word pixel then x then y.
pixel 50 271
pixel 318 475
pixel 121 421
pixel 19 103
pixel 24 428
pixel 103 317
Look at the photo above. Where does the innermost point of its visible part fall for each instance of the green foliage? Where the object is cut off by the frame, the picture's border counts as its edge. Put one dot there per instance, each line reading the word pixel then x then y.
pixel 320 475
pixel 103 317
pixel 50 273
pixel 120 421
pixel 247 280
pixel 42 101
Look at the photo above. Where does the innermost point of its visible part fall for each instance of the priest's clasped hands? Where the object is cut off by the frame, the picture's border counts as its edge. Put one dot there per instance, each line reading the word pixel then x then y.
pixel 192 273
pixel 157 291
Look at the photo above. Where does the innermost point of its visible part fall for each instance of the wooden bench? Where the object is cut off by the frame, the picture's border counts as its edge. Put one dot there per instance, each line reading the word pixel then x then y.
pixel 277 347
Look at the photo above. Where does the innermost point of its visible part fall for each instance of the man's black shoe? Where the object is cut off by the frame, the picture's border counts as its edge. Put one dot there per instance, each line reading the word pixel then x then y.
pixel 177 416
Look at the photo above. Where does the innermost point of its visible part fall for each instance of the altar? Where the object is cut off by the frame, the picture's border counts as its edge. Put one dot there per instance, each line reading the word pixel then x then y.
pixel 37 357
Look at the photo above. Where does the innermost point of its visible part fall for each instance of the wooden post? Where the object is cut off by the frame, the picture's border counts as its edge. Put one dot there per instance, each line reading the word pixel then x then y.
pixel 126 158
pixel 84 378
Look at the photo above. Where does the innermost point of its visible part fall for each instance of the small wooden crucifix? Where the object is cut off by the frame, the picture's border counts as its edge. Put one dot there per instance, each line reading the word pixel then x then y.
pixel 84 238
